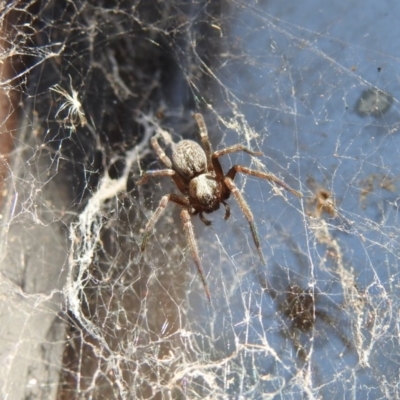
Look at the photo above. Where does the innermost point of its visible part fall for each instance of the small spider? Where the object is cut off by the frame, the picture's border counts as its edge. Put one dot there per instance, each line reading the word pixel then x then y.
pixel 198 175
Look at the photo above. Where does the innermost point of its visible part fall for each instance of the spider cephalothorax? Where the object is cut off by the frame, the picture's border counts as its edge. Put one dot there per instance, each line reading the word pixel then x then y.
pixel 198 175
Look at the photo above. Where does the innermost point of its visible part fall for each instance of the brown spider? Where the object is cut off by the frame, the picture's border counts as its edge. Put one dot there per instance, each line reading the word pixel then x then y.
pixel 199 176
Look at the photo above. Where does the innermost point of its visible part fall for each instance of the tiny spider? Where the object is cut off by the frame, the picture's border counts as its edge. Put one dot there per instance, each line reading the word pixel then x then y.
pixel 198 175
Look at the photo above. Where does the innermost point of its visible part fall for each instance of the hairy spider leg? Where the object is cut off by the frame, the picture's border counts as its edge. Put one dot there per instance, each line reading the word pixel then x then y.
pixel 188 227
pixel 182 201
pixel 247 213
pixel 207 144
pixel 234 149
pixel 204 139
pixel 262 175
pixel 160 153
pixel 179 182
pixel 228 150
pixel 154 174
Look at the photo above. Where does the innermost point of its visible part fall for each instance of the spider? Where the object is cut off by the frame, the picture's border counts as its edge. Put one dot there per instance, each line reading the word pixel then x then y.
pixel 198 175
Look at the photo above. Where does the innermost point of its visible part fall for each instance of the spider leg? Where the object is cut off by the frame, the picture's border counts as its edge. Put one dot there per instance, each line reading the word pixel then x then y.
pixel 179 182
pixel 234 149
pixel 262 175
pixel 182 201
pixel 247 213
pixel 160 153
pixel 153 174
pixel 228 150
pixel 188 227
pixel 204 138
pixel 204 219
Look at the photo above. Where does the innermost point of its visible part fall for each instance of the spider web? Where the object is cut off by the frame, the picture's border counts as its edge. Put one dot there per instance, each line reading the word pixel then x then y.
pixel 84 86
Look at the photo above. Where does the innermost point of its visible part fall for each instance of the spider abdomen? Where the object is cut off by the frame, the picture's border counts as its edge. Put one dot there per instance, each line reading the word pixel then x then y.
pixel 205 190
pixel 189 159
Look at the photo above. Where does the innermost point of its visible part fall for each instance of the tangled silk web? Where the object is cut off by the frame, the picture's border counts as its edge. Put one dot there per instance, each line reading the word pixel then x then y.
pixel 85 85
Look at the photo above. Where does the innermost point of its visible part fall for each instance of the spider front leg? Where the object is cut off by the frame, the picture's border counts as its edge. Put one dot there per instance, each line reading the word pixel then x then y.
pixel 263 175
pixel 159 172
pixel 164 172
pixel 234 149
pixel 160 153
pixel 156 216
pixel 247 213
pixel 188 227
pixel 228 150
